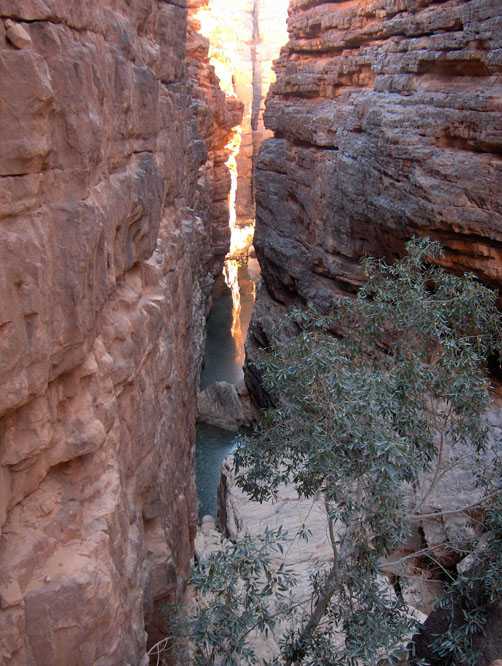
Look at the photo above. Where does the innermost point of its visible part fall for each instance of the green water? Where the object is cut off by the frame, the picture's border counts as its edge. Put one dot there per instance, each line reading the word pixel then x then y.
pixel 221 363
pixel 213 446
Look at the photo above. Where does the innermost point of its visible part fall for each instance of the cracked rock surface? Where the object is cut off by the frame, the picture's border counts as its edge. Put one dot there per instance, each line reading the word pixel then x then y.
pixel 113 223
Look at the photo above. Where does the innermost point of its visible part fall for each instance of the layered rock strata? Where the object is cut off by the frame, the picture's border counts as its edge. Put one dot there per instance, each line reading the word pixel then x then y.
pixel 268 28
pixel 388 123
pixel 113 222
pixel 217 115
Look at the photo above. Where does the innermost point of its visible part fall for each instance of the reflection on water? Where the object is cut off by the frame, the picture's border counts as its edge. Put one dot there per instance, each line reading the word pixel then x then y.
pixel 213 446
pixel 223 359
pixel 224 353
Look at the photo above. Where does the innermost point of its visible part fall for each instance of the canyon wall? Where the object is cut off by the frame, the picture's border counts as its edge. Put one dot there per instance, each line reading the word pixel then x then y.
pixel 387 121
pixel 268 35
pixel 113 223
pixel 387 117
pixel 246 37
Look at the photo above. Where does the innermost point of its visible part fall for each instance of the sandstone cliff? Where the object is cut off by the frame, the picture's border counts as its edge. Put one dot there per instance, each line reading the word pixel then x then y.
pixel 268 33
pixel 246 36
pixel 113 221
pixel 388 122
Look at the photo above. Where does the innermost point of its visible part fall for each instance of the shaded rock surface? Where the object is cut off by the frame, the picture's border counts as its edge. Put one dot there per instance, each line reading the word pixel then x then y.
pixel 387 121
pixel 113 223
pixel 225 406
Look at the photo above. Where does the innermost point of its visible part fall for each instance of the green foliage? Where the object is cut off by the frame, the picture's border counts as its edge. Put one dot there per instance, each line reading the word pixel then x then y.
pixel 240 590
pixel 388 387
pixel 471 594
pixel 411 364
pixel 370 397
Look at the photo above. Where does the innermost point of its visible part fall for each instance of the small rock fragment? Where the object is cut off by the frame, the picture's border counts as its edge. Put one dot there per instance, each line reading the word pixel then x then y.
pixel 10 593
pixel 17 35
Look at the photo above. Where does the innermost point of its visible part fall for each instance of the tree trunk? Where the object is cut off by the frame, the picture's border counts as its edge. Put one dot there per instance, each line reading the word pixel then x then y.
pixel 298 652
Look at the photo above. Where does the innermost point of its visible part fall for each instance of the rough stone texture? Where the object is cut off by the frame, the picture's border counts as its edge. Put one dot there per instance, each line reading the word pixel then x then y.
pixel 387 121
pixel 238 515
pixel 242 516
pixel 216 115
pixel 387 118
pixel 246 37
pixel 17 35
pixel 268 35
pixel 113 151
pixel 225 406
pixel 208 540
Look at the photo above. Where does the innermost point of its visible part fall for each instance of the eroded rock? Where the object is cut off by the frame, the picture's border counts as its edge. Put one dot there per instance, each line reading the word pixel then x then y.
pixel 246 37
pixel 113 223
pixel 17 35
pixel 222 405
pixel 387 124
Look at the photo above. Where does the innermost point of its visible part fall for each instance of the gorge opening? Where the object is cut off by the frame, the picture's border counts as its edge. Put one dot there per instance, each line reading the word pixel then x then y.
pixel 123 163
pixel 245 37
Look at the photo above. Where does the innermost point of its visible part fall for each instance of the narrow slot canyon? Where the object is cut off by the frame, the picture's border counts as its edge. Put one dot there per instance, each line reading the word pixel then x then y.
pixel 244 40
pixel 189 190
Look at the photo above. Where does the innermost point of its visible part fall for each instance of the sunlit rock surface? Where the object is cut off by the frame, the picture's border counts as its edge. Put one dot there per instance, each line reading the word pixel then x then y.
pixel 113 222
pixel 246 37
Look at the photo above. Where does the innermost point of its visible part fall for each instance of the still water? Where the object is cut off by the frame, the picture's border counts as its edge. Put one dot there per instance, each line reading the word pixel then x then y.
pixel 223 361
pixel 213 446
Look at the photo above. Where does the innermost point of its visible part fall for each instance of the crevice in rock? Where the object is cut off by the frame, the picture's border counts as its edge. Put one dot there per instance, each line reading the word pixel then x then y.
pixel 448 69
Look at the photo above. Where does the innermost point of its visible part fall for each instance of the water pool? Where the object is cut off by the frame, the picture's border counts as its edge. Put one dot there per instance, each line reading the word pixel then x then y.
pixel 223 360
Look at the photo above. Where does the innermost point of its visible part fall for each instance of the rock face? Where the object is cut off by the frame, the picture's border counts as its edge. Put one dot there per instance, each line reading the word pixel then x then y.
pixel 225 406
pixel 113 222
pixel 268 32
pixel 239 516
pixel 388 123
pixel 387 120
pixel 246 37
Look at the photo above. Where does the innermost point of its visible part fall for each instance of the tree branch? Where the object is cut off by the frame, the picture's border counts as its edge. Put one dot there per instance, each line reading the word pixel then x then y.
pixel 300 648
pixel 439 514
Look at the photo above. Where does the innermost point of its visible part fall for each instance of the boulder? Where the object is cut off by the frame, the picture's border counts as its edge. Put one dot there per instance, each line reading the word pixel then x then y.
pixel 225 406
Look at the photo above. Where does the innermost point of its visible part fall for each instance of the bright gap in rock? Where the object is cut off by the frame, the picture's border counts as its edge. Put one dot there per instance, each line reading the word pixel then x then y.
pixel 245 38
